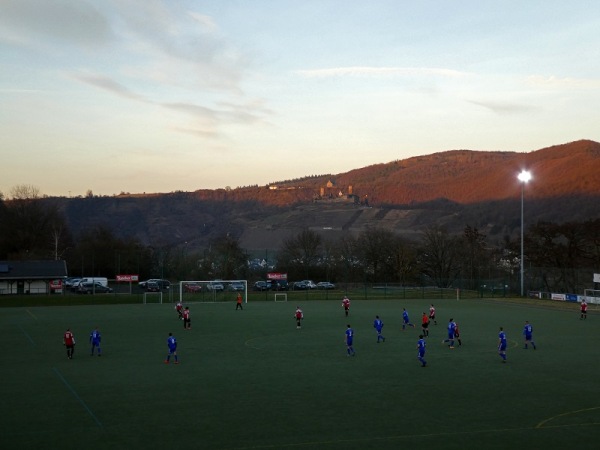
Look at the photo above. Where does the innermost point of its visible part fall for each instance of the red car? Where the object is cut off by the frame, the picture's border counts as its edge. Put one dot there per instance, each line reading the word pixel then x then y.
pixel 192 287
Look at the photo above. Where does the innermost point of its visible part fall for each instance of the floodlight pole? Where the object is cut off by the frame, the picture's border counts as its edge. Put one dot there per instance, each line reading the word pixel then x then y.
pixel 524 177
pixel 522 241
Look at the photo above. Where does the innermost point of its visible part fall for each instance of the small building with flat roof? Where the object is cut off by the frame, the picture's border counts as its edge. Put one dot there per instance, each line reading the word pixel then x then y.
pixel 32 277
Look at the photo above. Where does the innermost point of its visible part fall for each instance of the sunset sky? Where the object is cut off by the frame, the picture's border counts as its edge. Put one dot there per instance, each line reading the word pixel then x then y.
pixel 160 96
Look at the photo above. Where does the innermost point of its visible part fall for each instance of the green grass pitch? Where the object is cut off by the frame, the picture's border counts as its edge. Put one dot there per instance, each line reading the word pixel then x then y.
pixel 250 380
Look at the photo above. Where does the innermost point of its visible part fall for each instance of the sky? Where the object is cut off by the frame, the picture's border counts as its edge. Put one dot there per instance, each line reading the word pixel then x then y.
pixel 157 96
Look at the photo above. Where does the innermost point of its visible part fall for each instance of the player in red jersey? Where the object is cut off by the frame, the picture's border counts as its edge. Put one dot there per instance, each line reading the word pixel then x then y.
pixel 179 309
pixel 69 343
pixel 457 334
pixel 432 314
pixel 425 324
pixel 346 305
pixel 299 316
pixel 187 322
pixel 583 310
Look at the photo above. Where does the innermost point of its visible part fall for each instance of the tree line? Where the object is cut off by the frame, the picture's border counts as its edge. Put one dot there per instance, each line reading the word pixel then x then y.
pixel 558 257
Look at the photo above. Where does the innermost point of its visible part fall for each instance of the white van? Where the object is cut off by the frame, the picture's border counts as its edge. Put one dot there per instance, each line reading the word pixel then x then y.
pixel 103 281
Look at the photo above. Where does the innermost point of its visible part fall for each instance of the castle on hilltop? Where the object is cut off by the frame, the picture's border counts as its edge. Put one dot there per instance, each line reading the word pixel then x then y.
pixel 329 192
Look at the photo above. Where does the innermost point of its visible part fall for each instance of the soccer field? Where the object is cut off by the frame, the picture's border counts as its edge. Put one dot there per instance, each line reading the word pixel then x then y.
pixel 250 380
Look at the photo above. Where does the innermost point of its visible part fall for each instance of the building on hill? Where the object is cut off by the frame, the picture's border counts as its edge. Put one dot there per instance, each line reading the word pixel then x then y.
pixel 32 277
pixel 327 193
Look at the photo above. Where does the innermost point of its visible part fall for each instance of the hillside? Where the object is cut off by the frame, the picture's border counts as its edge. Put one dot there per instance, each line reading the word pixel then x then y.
pixel 461 176
pixel 453 188
pixel 467 177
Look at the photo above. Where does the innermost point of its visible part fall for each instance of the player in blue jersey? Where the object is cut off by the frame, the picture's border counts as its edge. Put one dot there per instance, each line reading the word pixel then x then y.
pixel 350 340
pixel 451 331
pixel 95 339
pixel 172 344
pixel 405 320
pixel 378 325
pixel 502 344
pixel 528 333
pixel 421 350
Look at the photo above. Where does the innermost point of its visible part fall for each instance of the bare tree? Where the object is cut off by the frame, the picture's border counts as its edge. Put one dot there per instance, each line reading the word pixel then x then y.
pixel 348 261
pixel 591 253
pixel 229 257
pixel 375 251
pixel 59 238
pixel 300 254
pixel 403 260
pixel 557 252
pixel 24 192
pixel 100 252
pixel 439 257
pixel 28 226
pixel 474 254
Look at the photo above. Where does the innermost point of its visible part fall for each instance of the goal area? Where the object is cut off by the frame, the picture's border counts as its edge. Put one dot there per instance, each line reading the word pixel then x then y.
pixel 280 297
pixel 153 297
pixel 213 291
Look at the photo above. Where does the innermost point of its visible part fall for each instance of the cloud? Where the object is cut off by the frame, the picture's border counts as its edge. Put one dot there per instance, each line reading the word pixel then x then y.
pixel 249 112
pixel 563 83
pixel 75 22
pixel 165 36
pixel 199 112
pixel 228 113
pixel 20 91
pixel 108 84
pixel 206 22
pixel 180 46
pixel 206 115
pixel 206 120
pixel 198 132
pixel 362 71
pixel 500 107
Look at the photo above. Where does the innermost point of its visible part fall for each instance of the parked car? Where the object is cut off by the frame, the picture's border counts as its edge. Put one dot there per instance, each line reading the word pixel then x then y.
pixel 69 282
pixel 216 285
pixel 325 285
pixel 102 280
pixel 163 284
pixel 192 287
pixel 310 284
pixel 236 286
pixel 75 283
pixel 93 288
pixel 152 286
pixel 262 285
pixel 299 286
pixel 280 285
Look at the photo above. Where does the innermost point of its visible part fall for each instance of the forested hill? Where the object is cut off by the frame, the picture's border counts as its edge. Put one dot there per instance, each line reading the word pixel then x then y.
pixel 461 176
pixel 452 188
pixel 465 176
